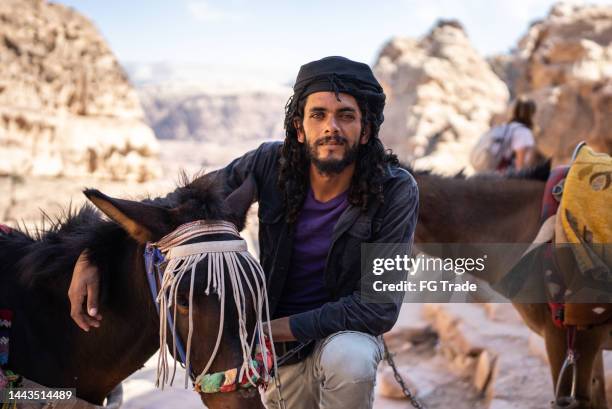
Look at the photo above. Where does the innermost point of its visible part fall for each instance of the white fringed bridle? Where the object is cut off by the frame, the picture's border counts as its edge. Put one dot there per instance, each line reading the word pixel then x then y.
pixel 226 259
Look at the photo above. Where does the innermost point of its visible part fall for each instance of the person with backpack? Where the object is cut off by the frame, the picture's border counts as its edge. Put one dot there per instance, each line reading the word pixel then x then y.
pixel 510 146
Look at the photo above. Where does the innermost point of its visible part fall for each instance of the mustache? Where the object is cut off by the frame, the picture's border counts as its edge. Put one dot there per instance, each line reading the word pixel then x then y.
pixel 339 139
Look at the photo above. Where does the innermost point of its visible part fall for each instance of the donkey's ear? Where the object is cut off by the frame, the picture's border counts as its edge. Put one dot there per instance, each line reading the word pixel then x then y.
pixel 144 222
pixel 241 199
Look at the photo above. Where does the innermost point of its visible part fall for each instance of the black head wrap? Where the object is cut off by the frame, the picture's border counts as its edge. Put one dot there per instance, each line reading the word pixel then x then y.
pixel 339 74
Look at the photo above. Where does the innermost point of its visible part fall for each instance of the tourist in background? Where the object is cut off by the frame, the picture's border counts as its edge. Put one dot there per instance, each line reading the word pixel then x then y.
pixel 510 146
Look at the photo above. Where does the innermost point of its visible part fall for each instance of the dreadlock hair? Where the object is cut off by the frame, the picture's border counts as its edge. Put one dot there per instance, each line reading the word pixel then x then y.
pixel 372 158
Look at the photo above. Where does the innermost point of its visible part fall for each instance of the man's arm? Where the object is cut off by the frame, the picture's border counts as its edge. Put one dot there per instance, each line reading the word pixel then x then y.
pixel 254 162
pixel 281 330
pixel 350 312
pixel 84 285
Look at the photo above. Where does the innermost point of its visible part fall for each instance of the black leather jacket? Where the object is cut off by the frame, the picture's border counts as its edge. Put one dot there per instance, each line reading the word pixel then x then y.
pixel 392 222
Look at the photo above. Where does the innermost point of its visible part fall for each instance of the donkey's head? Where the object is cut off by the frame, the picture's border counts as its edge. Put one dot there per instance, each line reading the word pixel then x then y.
pixel 210 288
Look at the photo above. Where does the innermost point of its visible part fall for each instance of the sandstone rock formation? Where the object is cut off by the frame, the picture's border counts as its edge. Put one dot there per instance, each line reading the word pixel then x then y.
pixel 565 63
pixel 573 44
pixel 66 107
pixel 505 67
pixel 441 95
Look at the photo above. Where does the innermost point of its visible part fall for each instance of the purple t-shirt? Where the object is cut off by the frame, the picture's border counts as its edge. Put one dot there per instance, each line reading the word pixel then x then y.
pixel 305 283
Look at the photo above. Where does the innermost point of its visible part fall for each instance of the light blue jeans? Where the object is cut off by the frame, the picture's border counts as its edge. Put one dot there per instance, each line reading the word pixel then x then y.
pixel 339 374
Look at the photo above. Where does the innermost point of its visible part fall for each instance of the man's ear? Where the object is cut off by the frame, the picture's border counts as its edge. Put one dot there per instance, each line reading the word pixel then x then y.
pixel 365 135
pixel 144 222
pixel 300 130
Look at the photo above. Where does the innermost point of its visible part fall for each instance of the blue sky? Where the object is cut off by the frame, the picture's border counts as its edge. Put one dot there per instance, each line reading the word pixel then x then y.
pixel 276 37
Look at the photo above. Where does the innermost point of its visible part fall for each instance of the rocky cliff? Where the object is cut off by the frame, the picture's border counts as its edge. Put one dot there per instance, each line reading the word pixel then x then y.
pixel 564 62
pixel 441 95
pixel 66 106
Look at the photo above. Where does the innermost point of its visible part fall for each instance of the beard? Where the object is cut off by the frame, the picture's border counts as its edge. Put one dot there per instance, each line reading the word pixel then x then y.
pixel 332 165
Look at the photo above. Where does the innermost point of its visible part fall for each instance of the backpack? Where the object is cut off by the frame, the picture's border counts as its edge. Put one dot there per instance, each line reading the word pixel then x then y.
pixel 488 152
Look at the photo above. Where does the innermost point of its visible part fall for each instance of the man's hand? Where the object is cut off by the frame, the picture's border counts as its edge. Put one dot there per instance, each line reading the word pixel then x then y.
pixel 85 288
pixel 281 331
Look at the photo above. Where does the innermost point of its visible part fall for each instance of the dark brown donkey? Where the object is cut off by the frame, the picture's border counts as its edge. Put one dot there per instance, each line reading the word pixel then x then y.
pixel 496 209
pixel 35 271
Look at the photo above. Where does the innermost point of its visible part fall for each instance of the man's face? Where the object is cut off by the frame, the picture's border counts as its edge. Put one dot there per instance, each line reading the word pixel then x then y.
pixel 331 131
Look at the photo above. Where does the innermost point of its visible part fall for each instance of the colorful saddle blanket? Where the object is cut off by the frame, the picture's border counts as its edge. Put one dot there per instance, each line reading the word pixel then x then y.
pixel 586 212
pixel 5 325
pixel 584 220
pixel 573 248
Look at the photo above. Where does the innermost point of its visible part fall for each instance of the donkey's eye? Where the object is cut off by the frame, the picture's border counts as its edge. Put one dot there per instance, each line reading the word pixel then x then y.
pixel 182 301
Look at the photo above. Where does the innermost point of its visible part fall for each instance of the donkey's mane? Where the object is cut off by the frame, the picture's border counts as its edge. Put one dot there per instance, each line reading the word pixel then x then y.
pixel 53 247
pixel 509 189
pixel 540 172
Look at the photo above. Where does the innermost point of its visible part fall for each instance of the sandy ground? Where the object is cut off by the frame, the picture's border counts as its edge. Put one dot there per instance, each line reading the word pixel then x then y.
pixel 140 392
pixel 429 370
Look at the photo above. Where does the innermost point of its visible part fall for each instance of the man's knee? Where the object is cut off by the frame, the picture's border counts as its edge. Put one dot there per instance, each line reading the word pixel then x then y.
pixel 350 357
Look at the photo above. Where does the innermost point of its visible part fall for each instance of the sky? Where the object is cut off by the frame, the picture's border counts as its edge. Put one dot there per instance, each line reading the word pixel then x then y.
pixel 273 38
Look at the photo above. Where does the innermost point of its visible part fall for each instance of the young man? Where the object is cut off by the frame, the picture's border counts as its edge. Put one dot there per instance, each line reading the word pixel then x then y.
pixel 328 188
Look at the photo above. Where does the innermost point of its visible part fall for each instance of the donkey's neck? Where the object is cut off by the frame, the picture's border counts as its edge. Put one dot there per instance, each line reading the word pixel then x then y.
pixel 48 348
pixel 478 209
pixel 482 213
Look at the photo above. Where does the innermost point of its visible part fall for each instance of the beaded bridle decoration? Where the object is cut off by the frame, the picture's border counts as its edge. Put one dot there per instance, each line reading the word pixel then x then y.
pixel 227 260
